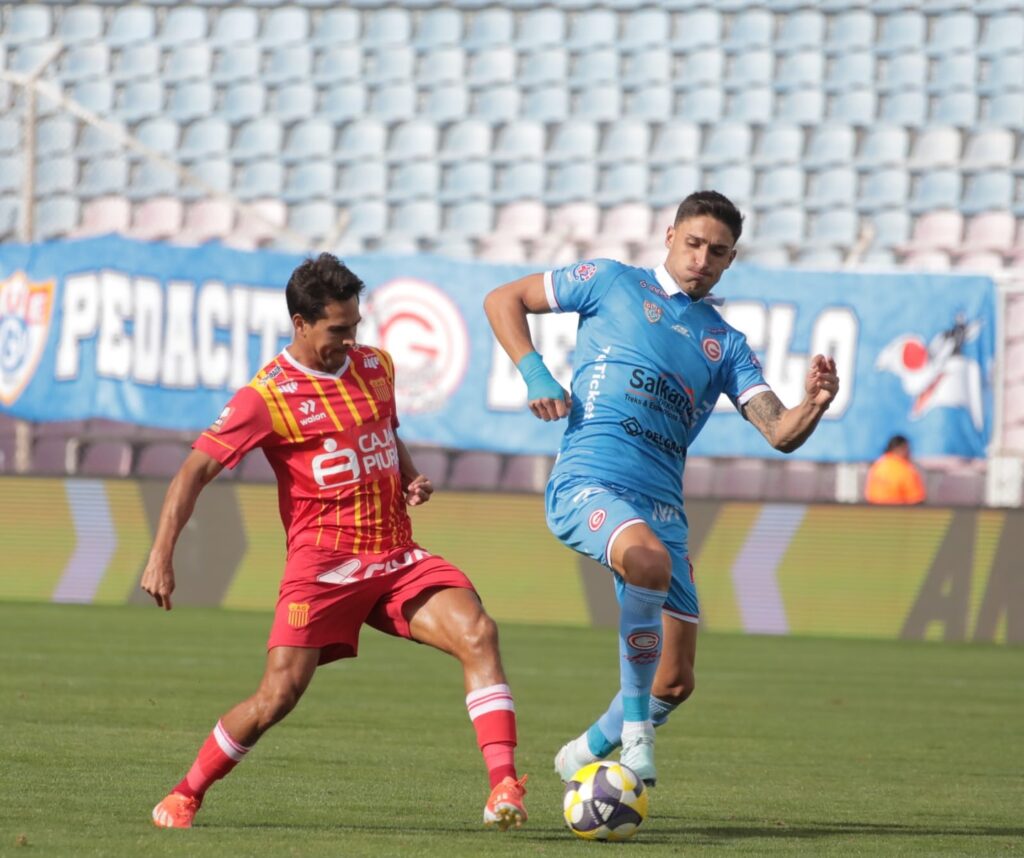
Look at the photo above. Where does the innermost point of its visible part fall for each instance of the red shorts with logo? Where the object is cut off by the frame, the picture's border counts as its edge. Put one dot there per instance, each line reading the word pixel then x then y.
pixel 326 598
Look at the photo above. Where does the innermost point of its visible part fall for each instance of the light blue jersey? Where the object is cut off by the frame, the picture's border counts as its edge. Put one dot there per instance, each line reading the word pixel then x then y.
pixel 648 368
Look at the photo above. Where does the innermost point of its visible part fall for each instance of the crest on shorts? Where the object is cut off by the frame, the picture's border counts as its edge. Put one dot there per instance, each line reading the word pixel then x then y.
pixel 26 309
pixel 652 311
pixel 298 614
pixel 596 519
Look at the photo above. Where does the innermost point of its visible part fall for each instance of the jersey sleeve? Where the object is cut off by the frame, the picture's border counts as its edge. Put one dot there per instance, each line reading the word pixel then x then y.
pixel 243 425
pixel 744 378
pixel 578 288
pixel 388 363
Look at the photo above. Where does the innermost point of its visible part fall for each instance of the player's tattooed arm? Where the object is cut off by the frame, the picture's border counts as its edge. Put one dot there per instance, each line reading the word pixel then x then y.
pixel 787 428
pixel 765 411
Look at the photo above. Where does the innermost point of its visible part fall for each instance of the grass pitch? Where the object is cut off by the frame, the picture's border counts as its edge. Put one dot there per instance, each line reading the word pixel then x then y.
pixel 791 746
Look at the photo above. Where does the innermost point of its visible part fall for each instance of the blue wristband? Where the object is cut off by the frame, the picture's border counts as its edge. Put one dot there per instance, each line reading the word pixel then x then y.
pixel 540 384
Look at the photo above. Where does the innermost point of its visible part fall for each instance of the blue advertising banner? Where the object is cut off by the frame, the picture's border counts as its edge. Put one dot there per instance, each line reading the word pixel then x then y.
pixel 162 335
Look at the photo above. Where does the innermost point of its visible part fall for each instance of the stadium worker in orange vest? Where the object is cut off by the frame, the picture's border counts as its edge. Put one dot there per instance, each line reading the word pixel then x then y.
pixel 323 413
pixel 893 479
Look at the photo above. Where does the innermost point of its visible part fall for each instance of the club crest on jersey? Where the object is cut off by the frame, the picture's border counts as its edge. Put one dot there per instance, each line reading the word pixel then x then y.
pixel 712 349
pixel 288 387
pixel 26 309
pixel 371 362
pixel 583 272
pixel 381 389
pixel 596 519
pixel 652 311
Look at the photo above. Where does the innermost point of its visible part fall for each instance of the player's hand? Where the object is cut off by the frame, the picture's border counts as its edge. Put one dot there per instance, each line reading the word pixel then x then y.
pixel 158 581
pixel 419 491
pixel 552 408
pixel 822 382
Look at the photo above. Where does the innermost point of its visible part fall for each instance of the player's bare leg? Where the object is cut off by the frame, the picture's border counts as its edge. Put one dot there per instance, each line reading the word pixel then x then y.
pixel 453 621
pixel 287 675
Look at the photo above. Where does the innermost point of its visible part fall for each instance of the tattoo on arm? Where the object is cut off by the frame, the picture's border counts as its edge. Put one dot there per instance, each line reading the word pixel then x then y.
pixel 764 411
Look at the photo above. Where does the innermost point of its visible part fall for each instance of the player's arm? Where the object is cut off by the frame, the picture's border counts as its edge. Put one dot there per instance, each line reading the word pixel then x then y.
pixel 179 502
pixel 788 428
pixel 416 486
pixel 507 308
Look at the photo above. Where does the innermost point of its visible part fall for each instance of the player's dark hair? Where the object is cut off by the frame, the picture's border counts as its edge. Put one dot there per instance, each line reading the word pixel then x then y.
pixel 711 204
pixel 895 442
pixel 316 283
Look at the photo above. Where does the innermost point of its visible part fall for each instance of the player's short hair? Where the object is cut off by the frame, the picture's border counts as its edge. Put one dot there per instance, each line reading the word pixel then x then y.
pixel 895 442
pixel 318 282
pixel 711 204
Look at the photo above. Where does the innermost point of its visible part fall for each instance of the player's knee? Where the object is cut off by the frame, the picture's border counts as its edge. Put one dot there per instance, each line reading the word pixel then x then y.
pixel 648 566
pixel 275 703
pixel 479 637
pixel 677 689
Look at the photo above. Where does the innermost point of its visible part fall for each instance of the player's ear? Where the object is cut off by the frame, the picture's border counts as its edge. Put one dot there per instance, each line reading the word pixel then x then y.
pixel 670 233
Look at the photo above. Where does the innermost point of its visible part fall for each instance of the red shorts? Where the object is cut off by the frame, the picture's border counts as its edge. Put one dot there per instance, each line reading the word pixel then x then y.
pixel 325 598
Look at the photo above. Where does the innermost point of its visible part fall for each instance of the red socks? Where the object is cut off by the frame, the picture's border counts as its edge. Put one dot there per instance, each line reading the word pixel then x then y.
pixel 494 718
pixel 218 756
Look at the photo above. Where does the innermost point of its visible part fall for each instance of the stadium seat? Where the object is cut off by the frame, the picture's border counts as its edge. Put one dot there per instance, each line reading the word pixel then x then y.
pixel 543 67
pixel 364 180
pixel 441 66
pixel 55 136
pixel 1004 110
pixel 310 180
pixel 491 67
pixel 649 67
pixel 501 249
pixel 939 230
pixel 779 186
pixel 288 25
pixel 337 26
pixel 953 72
pixel 160 460
pixel 502 104
pixel 83 62
pixel 524 219
pixel 419 219
pixel 10 174
pixel 259 138
pixel 338 64
pixel 129 26
pixel 136 62
pixel 852 29
pixel 905 107
pixel 473 219
pixel 259 178
pixel 983 262
pixel 522 180
pixel 736 181
pixel 438 28
pixel 468 139
pixel 103 216
pixel 644 30
pixel 470 180
pixel 106 459
pixel 676 142
pixel 588 28
pixel 890 229
pixel 958 108
pixel 488 28
pixel 27 23
pixel 1001 34
pixel 57 175
pixel 573 222
pixel 749 69
pixel 521 140
pixel 288 64
pixel 309 139
pixel 415 140
pixel 1001 73
pixel 625 141
pixel 157 219
pixel 800 30
pixel 706 106
pixel 835 227
pixel 928 261
pixel 388 26
pixel 599 102
pixel 242 102
pixel 883 146
pixel 414 180
pixel 901 32
pixel 938 189
pixel 726 143
pixel 784 228
pixel 850 71
pixel 800 70
pixel 778 144
pixel 594 66
pixel 835 186
pixel 671 183
pixel 315 220
pixel 453 247
pixel 389 64
pixel 801 106
pixel 622 183
pixel 10 136
pixel 445 103
pixel 182 25
pixel 750 30
pixel 990 232
pixel 571 182
pixel 258 223
pixel 207 220
pixel 293 102
pixel 830 145
pixel 853 107
pixel 629 222
pixel 361 140
pixel 883 188
pixel 151 179
pixel 988 149
pixel 102 176
pixel 988 191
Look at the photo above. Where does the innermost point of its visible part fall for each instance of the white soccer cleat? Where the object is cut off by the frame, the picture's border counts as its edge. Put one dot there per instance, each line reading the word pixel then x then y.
pixel 638 755
pixel 573 756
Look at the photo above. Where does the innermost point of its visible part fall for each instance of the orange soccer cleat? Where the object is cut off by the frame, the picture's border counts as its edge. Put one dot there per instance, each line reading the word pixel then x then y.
pixel 175 811
pixel 505 806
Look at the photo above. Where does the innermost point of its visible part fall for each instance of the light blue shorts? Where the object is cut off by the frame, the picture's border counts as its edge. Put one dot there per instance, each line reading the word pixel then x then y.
pixel 588 515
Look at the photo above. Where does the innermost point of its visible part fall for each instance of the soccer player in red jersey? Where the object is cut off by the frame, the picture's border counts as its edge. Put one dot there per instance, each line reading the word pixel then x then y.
pixel 323 413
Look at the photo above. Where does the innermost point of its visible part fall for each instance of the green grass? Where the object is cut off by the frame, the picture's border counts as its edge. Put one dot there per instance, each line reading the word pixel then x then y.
pixel 791 746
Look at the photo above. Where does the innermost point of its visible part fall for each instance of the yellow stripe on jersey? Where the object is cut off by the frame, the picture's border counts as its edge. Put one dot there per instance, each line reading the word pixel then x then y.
pixel 289 418
pixel 337 520
pixel 378 516
pixel 277 419
pixel 357 521
pixel 210 436
pixel 326 402
pixel 348 401
pixel 366 392
pixel 389 364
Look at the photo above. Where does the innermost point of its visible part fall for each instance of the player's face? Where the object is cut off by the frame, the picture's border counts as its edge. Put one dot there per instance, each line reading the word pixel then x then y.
pixel 699 251
pixel 324 344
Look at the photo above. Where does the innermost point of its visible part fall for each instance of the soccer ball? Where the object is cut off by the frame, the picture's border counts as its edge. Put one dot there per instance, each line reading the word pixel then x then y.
pixel 604 801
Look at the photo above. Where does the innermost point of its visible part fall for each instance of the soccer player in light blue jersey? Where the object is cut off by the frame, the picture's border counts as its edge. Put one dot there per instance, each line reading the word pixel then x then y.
pixel 652 358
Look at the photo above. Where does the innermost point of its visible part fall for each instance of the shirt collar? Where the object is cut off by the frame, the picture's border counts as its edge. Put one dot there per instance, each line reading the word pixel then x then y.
pixel 315 372
pixel 665 281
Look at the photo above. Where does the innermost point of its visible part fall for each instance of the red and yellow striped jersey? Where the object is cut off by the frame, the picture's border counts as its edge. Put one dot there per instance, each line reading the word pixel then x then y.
pixel 330 439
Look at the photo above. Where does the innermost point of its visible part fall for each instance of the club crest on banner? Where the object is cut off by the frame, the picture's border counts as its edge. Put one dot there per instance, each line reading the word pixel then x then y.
pixel 26 309
pixel 423 330
pixel 937 373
